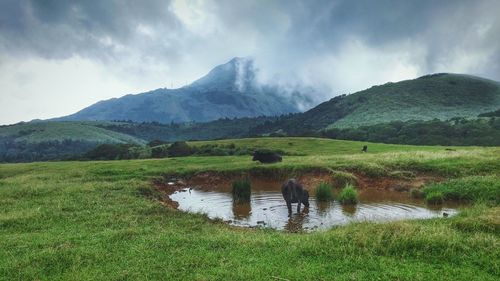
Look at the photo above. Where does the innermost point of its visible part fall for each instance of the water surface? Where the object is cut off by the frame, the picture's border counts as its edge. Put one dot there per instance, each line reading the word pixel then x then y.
pixel 267 208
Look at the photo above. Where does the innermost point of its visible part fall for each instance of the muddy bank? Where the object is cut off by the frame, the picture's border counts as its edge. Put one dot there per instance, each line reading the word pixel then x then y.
pixel 400 181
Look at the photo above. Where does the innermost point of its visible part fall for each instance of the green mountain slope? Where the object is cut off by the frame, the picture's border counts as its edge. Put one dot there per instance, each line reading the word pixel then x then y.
pixel 41 141
pixel 36 132
pixel 441 96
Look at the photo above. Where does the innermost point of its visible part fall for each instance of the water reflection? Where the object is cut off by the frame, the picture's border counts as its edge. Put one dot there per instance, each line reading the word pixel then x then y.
pixel 267 207
pixel 296 221
pixel 242 210
pixel 323 207
pixel 349 210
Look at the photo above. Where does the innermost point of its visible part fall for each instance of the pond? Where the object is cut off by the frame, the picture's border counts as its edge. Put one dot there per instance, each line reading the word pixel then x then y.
pixel 268 209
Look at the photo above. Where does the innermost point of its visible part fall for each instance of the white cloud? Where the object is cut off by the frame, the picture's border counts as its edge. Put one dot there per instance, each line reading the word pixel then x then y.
pixel 56 59
pixel 39 88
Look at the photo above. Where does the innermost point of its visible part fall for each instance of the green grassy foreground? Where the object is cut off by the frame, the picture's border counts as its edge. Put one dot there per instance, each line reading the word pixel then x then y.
pixel 97 221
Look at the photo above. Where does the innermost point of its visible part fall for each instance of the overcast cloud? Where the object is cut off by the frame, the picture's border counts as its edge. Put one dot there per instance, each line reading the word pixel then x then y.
pixel 57 57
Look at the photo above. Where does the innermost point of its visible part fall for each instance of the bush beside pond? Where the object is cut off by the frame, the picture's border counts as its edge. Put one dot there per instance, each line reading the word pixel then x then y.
pixel 324 192
pixel 434 197
pixel 241 190
pixel 348 195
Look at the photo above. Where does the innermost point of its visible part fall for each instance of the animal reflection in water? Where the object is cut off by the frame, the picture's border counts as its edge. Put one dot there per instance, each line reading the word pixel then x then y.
pixel 296 222
pixel 294 192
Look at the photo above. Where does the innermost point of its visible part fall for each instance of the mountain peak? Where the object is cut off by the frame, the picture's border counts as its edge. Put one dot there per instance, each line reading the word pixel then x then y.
pixel 227 91
pixel 238 73
pixel 236 60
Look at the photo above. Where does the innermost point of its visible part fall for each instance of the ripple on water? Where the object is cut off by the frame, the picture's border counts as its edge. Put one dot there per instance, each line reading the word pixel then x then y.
pixel 267 208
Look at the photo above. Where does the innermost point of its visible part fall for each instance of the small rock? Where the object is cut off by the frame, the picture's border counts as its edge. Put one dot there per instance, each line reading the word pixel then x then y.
pixel 261 222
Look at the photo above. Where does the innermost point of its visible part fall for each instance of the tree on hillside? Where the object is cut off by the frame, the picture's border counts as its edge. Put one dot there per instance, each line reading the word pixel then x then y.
pixel 179 148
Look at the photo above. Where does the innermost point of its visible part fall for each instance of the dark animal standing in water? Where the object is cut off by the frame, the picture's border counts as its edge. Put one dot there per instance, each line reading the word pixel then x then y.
pixel 266 157
pixel 365 148
pixel 293 192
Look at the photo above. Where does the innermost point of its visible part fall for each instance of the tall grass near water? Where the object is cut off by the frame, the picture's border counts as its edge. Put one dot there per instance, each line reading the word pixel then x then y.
pixel 324 192
pixel 348 195
pixel 242 190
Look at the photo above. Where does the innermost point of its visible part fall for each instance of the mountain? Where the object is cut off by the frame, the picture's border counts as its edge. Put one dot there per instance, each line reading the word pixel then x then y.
pixel 384 113
pixel 42 141
pixel 36 132
pixel 227 91
pixel 436 96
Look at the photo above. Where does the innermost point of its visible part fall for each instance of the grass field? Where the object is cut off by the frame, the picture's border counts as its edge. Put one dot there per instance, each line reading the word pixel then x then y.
pixel 99 221
pixel 318 146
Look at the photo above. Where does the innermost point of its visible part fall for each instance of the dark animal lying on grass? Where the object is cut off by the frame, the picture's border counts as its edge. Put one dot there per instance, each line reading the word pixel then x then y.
pixel 264 156
pixel 294 192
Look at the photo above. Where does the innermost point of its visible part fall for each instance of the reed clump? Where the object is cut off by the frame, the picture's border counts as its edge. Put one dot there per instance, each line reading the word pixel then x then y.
pixel 348 195
pixel 324 192
pixel 242 190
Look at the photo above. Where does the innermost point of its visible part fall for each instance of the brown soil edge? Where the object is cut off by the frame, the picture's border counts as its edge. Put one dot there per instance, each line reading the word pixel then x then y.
pixel 209 180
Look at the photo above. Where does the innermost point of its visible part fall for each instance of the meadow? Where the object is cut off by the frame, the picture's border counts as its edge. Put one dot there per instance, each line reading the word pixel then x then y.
pixel 104 220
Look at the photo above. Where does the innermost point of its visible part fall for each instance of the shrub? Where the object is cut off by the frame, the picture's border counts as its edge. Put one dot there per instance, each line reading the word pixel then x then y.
pixel 139 152
pixel 242 190
pixel 156 143
pixel 434 197
pixel 348 195
pixel 417 193
pixel 243 151
pixel 324 192
pixel 179 149
pixel 110 152
pixel 159 151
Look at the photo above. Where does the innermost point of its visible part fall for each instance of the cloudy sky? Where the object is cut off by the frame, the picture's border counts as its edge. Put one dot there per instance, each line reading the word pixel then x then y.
pixel 57 57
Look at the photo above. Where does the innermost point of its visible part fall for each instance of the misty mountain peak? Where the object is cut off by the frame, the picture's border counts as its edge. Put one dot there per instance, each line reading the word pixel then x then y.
pixel 237 74
pixel 229 90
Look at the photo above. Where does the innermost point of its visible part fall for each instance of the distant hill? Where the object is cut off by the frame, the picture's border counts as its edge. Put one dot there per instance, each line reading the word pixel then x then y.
pixel 441 96
pixel 41 141
pixel 385 113
pixel 228 91
pixel 36 132
pixel 51 140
